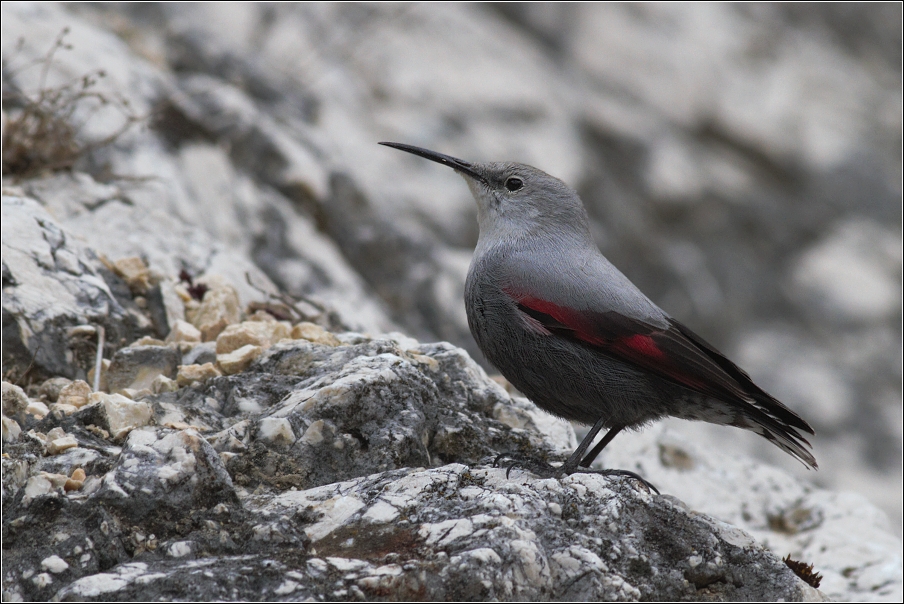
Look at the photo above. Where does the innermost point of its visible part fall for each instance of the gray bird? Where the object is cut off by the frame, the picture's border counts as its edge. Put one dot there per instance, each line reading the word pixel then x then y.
pixel 572 333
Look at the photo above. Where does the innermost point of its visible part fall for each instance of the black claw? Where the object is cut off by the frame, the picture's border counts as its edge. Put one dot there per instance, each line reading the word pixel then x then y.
pixel 545 470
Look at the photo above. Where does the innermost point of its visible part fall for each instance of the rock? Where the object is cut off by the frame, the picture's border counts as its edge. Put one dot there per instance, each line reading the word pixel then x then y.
pixel 190 374
pixel 148 341
pixel 238 360
pixel 135 273
pixel 262 334
pixel 200 354
pixel 163 473
pixel 50 390
pixel 183 331
pixel 52 283
pixel 852 275
pixel 74 393
pixel 76 481
pixel 314 333
pixel 162 383
pixel 15 401
pixel 136 367
pixel 115 413
pixel 219 308
pixel 54 564
pixel 11 430
pixel 58 445
pixel 37 409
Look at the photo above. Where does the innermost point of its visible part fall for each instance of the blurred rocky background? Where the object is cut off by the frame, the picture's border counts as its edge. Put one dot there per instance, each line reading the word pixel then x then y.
pixel 741 163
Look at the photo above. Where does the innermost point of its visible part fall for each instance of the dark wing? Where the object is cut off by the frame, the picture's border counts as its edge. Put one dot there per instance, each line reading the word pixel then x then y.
pixel 677 354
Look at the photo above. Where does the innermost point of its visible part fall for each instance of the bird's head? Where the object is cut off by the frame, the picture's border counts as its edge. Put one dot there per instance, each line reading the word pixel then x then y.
pixel 515 200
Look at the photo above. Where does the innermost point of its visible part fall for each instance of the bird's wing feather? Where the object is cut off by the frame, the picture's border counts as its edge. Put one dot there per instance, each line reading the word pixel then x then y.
pixel 674 353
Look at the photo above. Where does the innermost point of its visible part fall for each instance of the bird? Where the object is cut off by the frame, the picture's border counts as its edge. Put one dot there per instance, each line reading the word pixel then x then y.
pixel 574 335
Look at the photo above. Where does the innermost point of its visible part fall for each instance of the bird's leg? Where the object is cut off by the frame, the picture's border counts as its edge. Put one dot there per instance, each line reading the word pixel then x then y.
pixel 588 459
pixel 542 468
pixel 601 445
pixel 571 464
pixel 577 462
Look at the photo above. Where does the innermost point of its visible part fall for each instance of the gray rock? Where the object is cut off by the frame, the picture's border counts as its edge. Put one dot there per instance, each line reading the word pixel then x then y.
pixel 315 492
pixel 136 366
pixel 52 283
pixel 205 352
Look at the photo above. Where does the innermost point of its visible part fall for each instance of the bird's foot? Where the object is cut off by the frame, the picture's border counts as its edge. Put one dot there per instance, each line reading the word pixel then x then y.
pixel 626 473
pixel 546 470
pixel 534 466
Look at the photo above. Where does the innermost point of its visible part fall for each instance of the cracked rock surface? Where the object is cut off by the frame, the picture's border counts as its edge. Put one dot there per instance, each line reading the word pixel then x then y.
pixel 361 470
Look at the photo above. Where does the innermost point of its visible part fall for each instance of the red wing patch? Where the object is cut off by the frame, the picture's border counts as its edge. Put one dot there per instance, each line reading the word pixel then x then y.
pixel 664 352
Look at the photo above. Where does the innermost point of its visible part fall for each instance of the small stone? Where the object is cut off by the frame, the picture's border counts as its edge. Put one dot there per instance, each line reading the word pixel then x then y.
pixel 42 580
pixel 256 333
pixel 82 331
pixel 11 430
pixel 60 410
pixel 97 431
pixel 137 367
pixel 183 331
pixel 76 481
pixel 162 383
pixel 134 272
pixel 314 333
pixel 136 393
pixel 121 414
pixel 14 399
pixel 37 409
pixel 179 549
pixel 59 445
pixel 35 487
pixel 75 393
pixel 219 308
pixel 54 564
pixel 147 341
pixel 205 352
pixel 261 315
pixel 50 389
pixel 238 360
pixel 276 430
pixel 189 374
pixel 104 367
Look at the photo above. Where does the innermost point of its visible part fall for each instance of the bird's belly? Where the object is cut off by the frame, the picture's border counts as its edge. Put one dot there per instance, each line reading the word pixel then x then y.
pixel 567 378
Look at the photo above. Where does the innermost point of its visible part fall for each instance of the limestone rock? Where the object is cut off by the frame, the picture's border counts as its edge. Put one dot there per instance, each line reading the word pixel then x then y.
pixel 51 283
pixel 219 308
pixel 136 367
pixel 15 400
pixel 257 333
pixel 74 393
pixel 239 359
pixel 189 374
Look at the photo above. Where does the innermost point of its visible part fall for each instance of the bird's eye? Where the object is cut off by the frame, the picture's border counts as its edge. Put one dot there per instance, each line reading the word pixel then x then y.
pixel 513 184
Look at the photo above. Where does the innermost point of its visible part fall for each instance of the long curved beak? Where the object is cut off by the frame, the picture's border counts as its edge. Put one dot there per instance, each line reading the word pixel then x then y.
pixel 447 160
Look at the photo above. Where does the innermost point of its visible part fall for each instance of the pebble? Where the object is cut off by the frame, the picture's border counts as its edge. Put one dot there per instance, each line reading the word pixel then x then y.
pixel 238 360
pixel 75 393
pixel 134 272
pixel 257 333
pixel 14 399
pixel 189 374
pixel 219 308
pixel 11 430
pixel 54 564
pixel 314 333
pixel 183 331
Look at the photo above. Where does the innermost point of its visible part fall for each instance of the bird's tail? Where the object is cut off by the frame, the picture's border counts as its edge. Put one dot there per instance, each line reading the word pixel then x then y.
pixel 779 433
